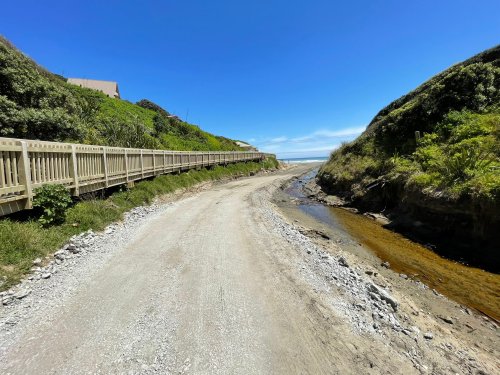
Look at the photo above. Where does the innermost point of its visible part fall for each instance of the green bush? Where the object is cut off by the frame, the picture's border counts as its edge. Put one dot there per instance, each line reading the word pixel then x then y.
pixel 36 104
pixel 54 200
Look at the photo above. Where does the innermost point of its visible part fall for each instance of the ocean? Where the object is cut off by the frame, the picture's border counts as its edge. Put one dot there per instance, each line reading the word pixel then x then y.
pixel 318 159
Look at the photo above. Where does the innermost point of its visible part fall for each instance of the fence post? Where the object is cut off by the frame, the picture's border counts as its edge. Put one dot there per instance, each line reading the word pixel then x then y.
pixel 154 163
pixel 126 165
pixel 25 174
pixel 74 170
pixel 142 165
pixel 105 166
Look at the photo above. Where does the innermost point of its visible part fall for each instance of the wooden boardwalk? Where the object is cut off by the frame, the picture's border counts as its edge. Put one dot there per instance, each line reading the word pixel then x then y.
pixel 26 165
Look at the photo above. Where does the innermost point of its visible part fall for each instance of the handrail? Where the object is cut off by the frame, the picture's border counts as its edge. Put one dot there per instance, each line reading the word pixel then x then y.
pixel 28 164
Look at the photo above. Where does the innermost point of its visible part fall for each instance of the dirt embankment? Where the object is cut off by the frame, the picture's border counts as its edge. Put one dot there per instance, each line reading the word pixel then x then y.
pixel 456 230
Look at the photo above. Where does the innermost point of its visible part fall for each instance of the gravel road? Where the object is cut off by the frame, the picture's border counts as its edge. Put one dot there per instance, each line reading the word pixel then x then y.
pixel 215 283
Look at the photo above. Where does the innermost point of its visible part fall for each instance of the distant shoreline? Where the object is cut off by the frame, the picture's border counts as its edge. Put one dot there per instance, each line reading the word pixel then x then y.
pixel 314 159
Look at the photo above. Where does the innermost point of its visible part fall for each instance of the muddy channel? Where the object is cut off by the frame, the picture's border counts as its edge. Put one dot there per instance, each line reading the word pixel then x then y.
pixel 472 287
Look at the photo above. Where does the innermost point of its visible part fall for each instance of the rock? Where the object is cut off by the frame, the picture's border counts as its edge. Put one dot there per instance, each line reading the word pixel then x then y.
pixel 108 231
pixel 343 262
pixel 22 293
pixel 446 319
pixel 403 276
pixel 46 275
pixel 11 321
pixel 374 296
pixel 378 218
pixel 37 262
pixel 59 257
pixel 383 295
pixel 360 306
pixel 73 249
pixel 428 335
pixel 407 332
pixel 7 300
pixel 385 264
pixel 70 247
pixel 369 273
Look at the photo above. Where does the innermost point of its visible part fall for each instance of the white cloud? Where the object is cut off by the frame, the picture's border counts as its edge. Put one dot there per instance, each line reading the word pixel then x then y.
pixel 318 143
pixel 278 140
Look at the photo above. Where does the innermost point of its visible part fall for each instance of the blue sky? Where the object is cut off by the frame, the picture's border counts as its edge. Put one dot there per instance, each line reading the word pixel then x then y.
pixel 293 77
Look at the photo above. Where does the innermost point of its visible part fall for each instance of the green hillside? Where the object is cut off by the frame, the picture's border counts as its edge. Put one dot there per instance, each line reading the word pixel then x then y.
pixel 451 173
pixel 36 104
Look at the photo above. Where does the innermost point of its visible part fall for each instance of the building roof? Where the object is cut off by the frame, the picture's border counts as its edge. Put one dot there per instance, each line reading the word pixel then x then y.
pixel 245 145
pixel 109 88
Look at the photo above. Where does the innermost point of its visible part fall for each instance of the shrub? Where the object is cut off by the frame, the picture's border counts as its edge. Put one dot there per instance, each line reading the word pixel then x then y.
pixel 53 199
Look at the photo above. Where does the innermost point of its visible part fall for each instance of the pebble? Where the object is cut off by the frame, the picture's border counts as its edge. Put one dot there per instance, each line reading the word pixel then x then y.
pixel 59 257
pixel 46 275
pixel 428 335
pixel 407 332
pixel 7 300
pixel 37 262
pixel 22 293
pixel 447 319
pixel 343 262
pixel 383 295
pixel 385 264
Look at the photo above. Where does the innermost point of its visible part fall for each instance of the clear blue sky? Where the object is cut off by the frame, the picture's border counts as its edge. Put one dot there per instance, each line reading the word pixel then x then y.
pixel 293 77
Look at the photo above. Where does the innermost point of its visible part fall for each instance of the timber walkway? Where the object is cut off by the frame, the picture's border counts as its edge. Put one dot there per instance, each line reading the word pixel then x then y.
pixel 27 164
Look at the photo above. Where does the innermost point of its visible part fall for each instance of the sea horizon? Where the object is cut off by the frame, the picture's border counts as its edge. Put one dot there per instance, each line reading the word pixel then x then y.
pixel 311 159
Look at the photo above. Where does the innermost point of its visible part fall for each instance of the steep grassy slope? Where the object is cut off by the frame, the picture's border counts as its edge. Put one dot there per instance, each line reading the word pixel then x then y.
pixel 451 174
pixel 37 104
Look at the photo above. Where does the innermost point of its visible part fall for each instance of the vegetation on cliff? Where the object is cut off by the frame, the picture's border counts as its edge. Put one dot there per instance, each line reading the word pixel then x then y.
pixel 436 149
pixel 36 104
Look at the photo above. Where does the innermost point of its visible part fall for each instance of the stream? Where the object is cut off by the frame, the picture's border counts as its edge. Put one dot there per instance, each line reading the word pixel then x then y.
pixel 473 287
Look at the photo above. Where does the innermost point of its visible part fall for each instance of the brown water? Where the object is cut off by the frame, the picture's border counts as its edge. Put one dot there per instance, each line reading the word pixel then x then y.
pixel 469 286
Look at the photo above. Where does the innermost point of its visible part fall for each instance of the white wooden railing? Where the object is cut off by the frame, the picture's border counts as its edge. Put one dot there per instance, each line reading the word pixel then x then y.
pixel 26 165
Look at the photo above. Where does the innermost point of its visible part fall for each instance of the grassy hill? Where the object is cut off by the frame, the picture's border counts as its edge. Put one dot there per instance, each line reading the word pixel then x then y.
pixel 37 104
pixel 450 175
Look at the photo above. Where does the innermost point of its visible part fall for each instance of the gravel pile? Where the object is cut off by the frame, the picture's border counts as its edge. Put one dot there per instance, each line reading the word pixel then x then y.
pixel 371 307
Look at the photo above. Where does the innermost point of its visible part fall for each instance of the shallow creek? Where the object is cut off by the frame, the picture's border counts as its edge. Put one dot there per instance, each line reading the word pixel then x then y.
pixel 469 286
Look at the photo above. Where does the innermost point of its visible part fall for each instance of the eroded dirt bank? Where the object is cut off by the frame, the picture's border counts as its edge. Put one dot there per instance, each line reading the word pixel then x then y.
pixel 222 283
pixel 473 287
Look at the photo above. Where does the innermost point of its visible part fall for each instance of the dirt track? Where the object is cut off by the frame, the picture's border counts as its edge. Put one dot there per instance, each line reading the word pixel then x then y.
pixel 211 284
